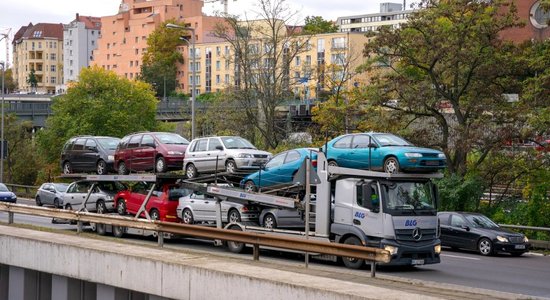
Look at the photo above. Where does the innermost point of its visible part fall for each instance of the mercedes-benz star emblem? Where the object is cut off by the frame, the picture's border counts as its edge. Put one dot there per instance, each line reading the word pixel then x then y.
pixel 417 234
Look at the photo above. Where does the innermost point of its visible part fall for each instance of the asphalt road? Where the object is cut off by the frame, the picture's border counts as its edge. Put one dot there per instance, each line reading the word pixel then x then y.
pixel 527 275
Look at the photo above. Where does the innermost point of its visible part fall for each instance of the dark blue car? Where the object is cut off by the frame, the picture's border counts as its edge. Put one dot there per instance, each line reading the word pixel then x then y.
pixel 279 170
pixel 384 152
pixel 6 195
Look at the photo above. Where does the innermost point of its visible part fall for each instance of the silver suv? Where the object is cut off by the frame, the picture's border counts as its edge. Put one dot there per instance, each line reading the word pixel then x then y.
pixel 229 153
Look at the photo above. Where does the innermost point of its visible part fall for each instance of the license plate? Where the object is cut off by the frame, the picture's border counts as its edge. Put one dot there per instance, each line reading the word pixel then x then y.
pixel 520 246
pixel 432 163
pixel 417 262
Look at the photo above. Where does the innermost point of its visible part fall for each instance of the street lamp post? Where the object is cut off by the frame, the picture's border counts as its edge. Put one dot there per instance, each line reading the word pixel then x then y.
pixel 2 126
pixel 193 82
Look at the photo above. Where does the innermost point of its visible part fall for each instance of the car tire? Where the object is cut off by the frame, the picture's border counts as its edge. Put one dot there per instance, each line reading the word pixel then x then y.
pixel 38 202
pixel 485 247
pixel 270 222
pixel 154 214
pixel 230 166
pixel 69 207
pixel 101 167
pixel 391 165
pixel 353 263
pixel 191 171
pixel 119 231
pixel 187 216
pixel 122 169
pixel 235 247
pixel 233 216
pixel 121 207
pixel 250 186
pixel 101 208
pixel 160 165
pixel 332 163
pixel 67 169
pixel 56 203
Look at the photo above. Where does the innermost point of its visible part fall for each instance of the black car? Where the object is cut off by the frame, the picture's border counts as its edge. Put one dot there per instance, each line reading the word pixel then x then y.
pixel 475 231
pixel 89 154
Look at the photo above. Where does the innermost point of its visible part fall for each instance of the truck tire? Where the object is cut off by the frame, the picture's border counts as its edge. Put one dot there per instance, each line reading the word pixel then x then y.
pixel 119 231
pixel 353 263
pixel 235 247
pixel 101 209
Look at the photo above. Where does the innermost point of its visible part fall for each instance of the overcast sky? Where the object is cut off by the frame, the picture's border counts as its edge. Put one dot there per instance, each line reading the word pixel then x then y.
pixel 17 13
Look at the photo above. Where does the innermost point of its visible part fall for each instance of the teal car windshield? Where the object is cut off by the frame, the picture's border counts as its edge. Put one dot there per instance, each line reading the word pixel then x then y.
pixel 390 140
pixel 409 198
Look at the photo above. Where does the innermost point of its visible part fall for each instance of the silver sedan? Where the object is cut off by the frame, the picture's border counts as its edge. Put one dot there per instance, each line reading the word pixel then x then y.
pixel 200 208
pixel 51 194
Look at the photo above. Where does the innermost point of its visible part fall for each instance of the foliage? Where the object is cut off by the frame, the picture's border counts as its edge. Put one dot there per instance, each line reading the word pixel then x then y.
pixel 100 103
pixel 262 50
pixel 318 25
pixel 159 66
pixel 32 80
pixel 9 83
pixel 459 194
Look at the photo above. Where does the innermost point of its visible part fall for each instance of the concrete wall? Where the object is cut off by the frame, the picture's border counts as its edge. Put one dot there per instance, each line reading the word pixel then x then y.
pixel 169 273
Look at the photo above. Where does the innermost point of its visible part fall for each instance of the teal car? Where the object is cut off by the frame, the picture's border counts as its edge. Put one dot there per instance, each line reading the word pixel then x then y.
pixel 382 152
pixel 279 170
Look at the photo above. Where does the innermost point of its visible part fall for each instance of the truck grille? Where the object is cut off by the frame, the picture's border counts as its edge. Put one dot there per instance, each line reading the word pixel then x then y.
pixel 406 235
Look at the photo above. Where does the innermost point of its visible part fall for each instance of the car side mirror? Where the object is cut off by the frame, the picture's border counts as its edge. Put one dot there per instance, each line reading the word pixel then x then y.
pixel 465 227
pixel 219 147
pixel 373 145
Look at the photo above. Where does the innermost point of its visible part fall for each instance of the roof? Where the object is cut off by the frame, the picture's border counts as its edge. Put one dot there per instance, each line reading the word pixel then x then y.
pixel 20 32
pixel 89 21
pixel 40 31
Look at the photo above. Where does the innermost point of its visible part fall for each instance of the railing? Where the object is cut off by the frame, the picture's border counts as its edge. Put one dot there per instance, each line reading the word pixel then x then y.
pixel 256 239
pixel 534 243
pixel 17 188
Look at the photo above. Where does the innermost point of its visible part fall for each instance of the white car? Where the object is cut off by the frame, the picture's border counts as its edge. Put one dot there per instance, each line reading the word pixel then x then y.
pixel 200 208
pixel 229 153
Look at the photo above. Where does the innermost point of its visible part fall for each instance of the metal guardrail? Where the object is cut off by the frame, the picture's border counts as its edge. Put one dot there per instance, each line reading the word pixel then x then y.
pixel 534 243
pixel 29 189
pixel 256 239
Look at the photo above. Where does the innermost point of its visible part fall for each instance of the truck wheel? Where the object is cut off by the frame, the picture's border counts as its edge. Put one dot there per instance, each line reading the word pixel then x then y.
pixel 353 263
pixel 235 247
pixel 119 231
pixel 101 209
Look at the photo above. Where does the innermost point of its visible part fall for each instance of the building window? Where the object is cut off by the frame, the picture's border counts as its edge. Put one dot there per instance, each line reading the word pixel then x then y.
pixel 308 60
pixel 93 32
pixel 539 17
pixel 136 51
pixel 339 43
pixel 218 50
pixel 131 63
pixel 108 45
pixel 218 65
pixel 52 80
pixel 137 39
pixel 298 61
pixel 71 62
pixel 218 80
pixel 226 79
pixel 320 45
pixel 52 56
pixel 108 56
pixel 52 68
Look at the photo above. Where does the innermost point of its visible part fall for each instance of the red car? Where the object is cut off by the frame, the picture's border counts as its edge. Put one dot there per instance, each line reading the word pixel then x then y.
pixel 150 151
pixel 161 206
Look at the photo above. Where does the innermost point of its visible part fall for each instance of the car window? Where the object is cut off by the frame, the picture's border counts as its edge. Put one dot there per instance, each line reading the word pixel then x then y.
pixel 79 144
pixel 3 188
pixel 171 138
pixel 292 156
pixel 481 221
pixel 175 192
pixel 123 143
pixel 235 142
pixel 61 187
pixel 201 145
pixel 108 143
pixel 90 145
pixel 134 141
pixel 148 140
pixel 81 187
pixel 443 219
pixel 361 141
pixel 68 145
pixel 213 143
pixel 276 160
pixel 344 142
pixel 141 188
pixel 457 221
pixel 386 139
pixel 110 186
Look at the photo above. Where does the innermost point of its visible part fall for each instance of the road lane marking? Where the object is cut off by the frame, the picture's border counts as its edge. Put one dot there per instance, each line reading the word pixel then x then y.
pixel 457 256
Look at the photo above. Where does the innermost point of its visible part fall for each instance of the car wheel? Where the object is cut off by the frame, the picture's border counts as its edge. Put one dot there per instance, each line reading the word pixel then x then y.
pixel 56 203
pixel 332 163
pixel 235 247
pixel 485 246
pixel 38 202
pixel 270 222
pixel 154 214
pixel 68 207
pixel 230 166
pixel 160 165
pixel 67 169
pixel 122 170
pixel 119 231
pixel 101 167
pixel 101 209
pixel 191 171
pixel 249 186
pixel 391 165
pixel 121 207
pixel 353 263
pixel 187 216
pixel 234 216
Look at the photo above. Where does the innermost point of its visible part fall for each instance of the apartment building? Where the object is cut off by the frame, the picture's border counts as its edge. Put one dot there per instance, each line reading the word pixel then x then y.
pixel 124 35
pixel 327 59
pixel 391 14
pixel 40 48
pixel 80 39
pixel 536 23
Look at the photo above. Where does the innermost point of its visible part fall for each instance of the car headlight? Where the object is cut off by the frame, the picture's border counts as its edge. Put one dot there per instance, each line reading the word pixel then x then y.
pixel 111 157
pixel 13 196
pixel 244 155
pixel 525 239
pixel 109 198
pixel 441 155
pixel 391 249
pixel 413 154
pixel 502 239
pixel 175 153
pixel 437 249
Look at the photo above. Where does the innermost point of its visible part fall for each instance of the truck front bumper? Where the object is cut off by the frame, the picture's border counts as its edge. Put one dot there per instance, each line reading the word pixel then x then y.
pixel 411 254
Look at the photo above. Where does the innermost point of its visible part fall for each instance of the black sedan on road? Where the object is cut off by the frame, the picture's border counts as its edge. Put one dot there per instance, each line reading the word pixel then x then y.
pixel 475 231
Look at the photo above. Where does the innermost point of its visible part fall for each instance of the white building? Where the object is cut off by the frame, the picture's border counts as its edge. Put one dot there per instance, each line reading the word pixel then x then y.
pixel 79 40
pixel 391 14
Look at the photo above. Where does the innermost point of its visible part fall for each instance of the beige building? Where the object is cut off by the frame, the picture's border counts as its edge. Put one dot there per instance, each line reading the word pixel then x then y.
pixel 40 48
pixel 327 60
pixel 124 35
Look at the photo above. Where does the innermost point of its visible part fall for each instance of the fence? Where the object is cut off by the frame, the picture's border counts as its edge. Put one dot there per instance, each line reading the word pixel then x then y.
pixel 22 190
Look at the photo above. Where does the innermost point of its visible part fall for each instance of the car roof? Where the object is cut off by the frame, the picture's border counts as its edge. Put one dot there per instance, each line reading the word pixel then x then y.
pixel 461 213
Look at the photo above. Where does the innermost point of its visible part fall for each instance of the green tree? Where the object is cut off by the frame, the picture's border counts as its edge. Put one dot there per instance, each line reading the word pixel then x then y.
pixel 317 25
pixel 159 66
pixel 32 80
pixel 100 103
pixel 9 83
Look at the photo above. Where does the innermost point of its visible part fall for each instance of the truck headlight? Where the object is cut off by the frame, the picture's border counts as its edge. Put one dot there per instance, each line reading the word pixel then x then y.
pixel 437 249
pixel 244 155
pixel 502 239
pixel 413 154
pixel 391 249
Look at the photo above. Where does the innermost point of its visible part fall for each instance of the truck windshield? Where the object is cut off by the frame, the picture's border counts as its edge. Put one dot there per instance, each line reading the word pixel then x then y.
pixel 409 198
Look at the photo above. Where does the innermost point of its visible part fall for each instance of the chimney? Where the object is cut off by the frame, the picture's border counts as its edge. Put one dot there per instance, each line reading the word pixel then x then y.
pixel 404 4
pixel 77 16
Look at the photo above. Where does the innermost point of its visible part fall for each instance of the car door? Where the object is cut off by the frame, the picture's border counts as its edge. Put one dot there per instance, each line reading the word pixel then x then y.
pixel 77 161
pixel 340 152
pixel 77 195
pixel 132 162
pixel 445 229
pixel 202 211
pixel 214 157
pixel 137 196
pixel 363 155
pixel 270 175
pixel 461 235
pixel 198 155
pixel 90 155
pixel 146 152
pixel 46 194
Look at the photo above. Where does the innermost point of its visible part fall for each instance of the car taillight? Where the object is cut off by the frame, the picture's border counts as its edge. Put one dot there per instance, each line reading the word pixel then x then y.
pixel 244 209
pixel 314 163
